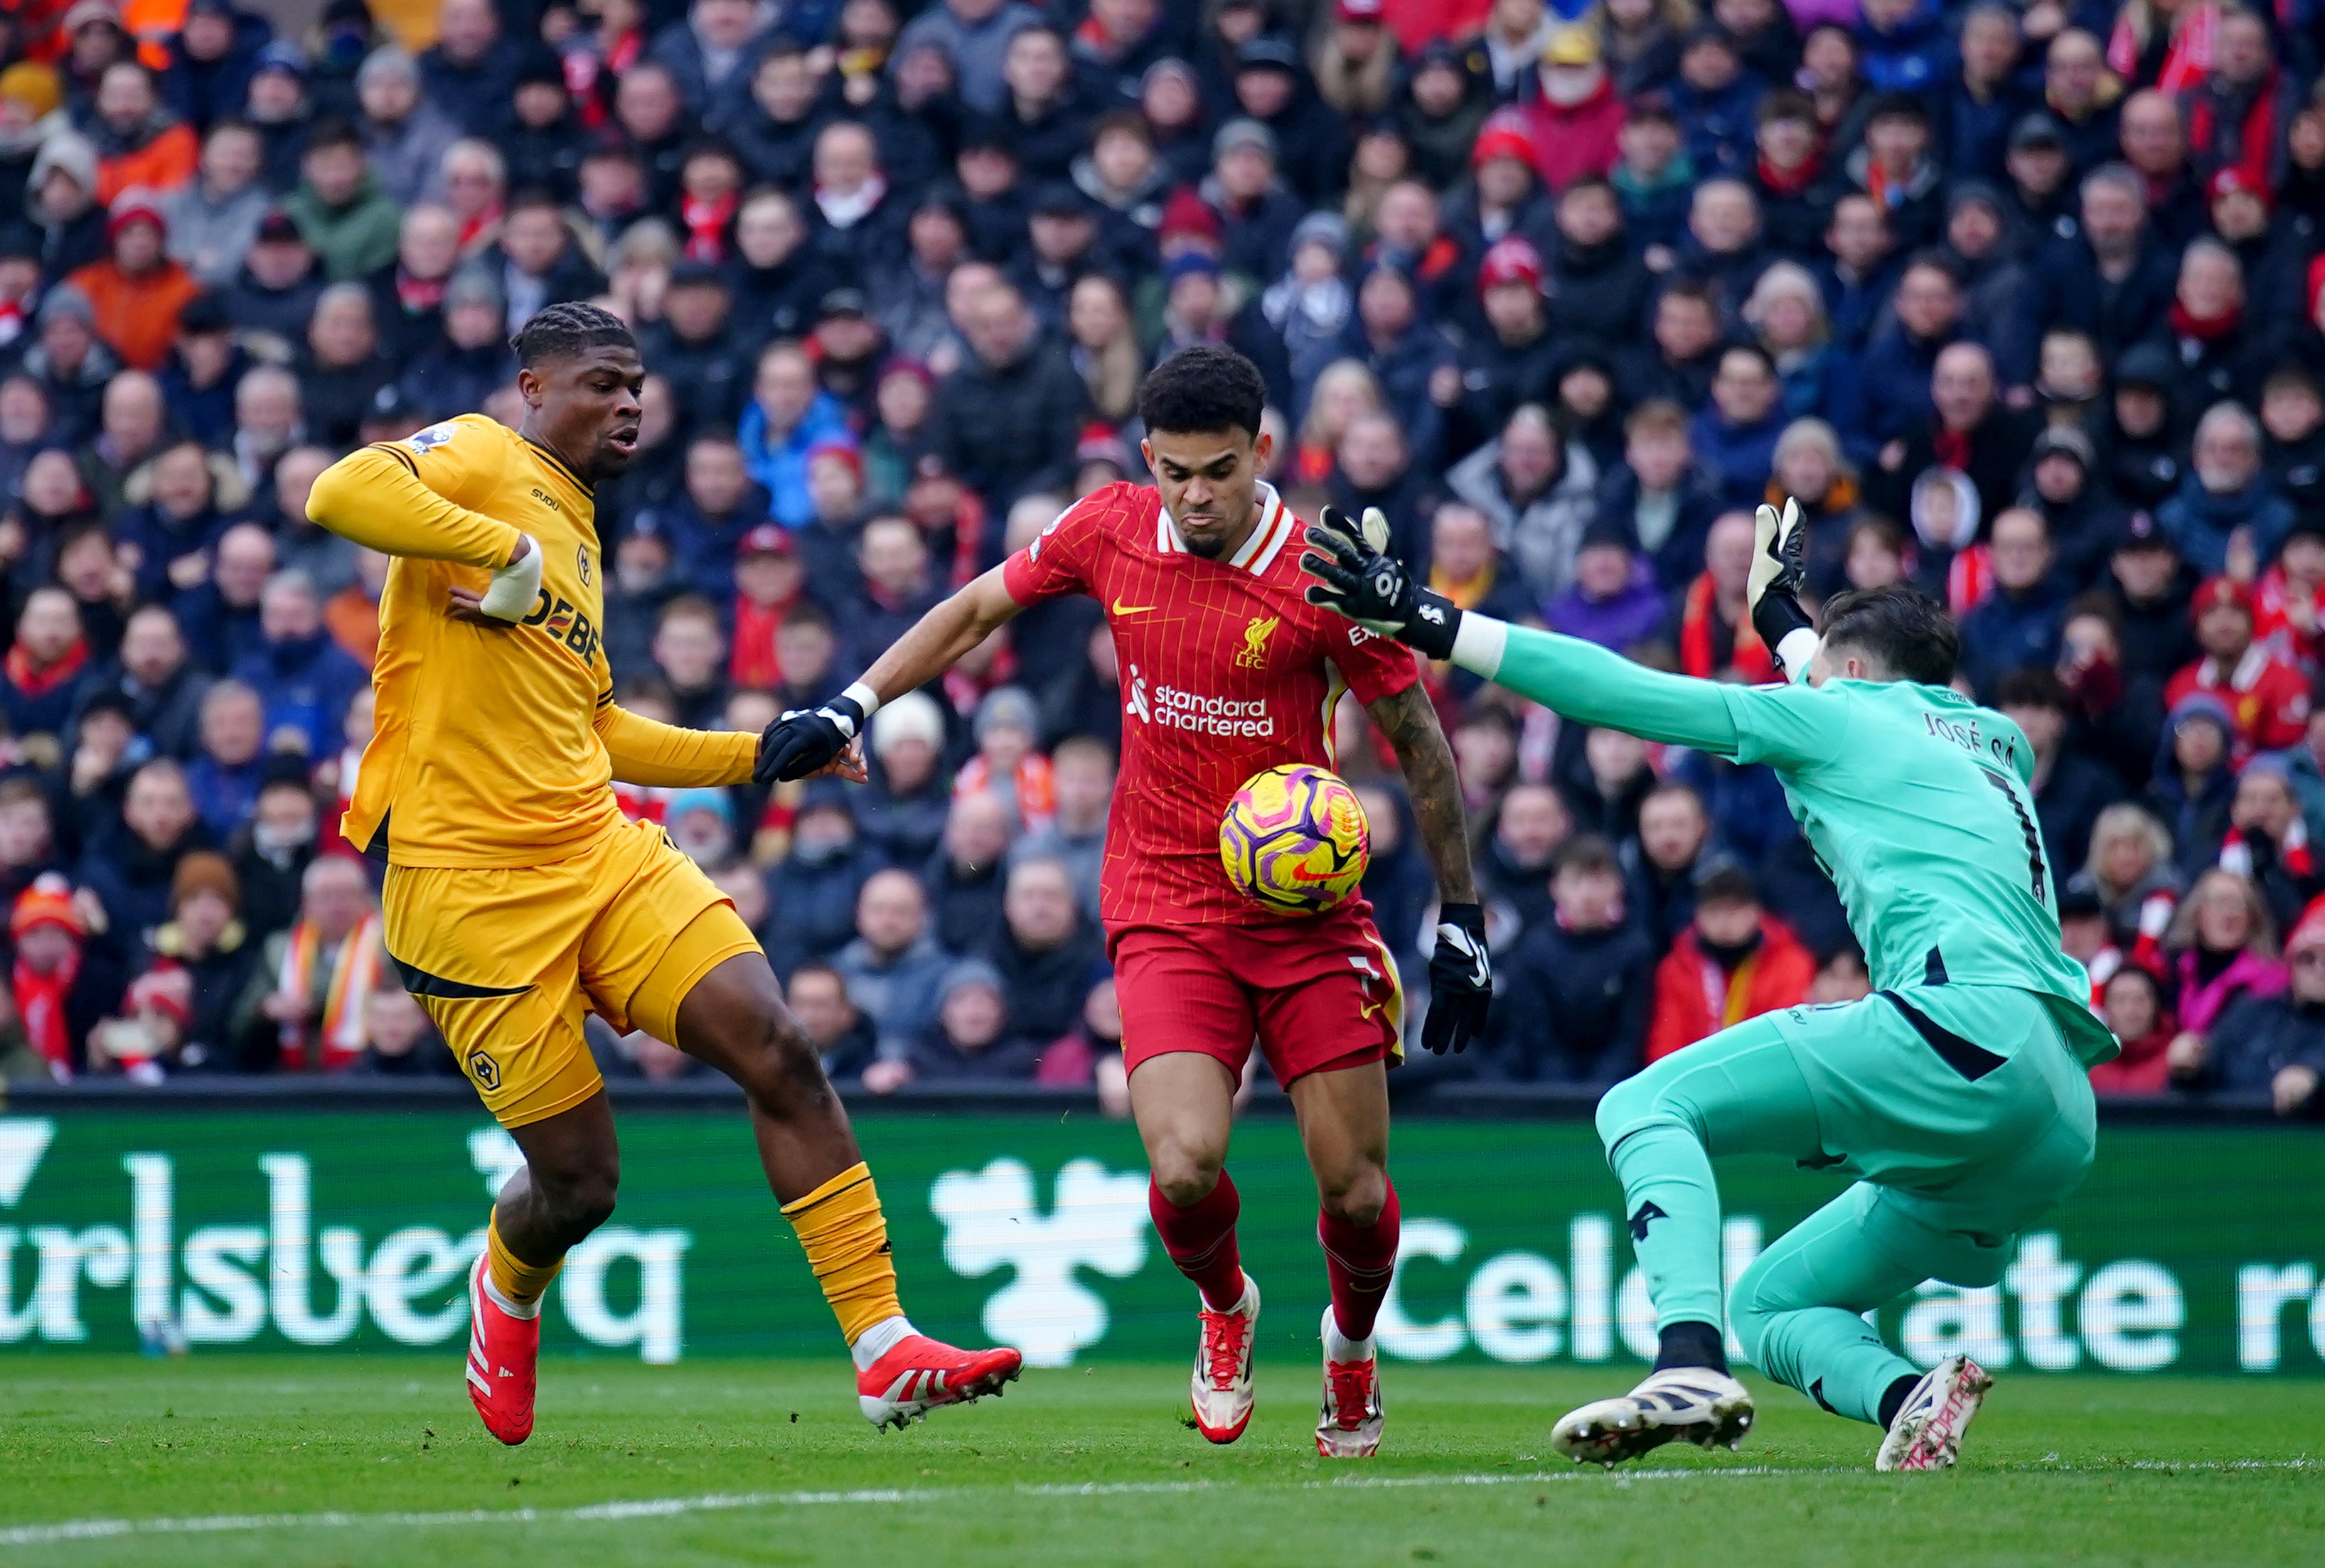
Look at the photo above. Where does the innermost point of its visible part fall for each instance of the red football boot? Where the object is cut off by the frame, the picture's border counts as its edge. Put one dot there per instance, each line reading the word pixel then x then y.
pixel 918 1374
pixel 504 1354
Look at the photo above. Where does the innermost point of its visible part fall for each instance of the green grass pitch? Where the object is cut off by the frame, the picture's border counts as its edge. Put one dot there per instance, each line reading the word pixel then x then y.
pixel 221 1461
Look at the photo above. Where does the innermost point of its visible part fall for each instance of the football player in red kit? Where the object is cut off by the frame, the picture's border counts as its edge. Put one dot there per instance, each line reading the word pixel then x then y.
pixel 1226 670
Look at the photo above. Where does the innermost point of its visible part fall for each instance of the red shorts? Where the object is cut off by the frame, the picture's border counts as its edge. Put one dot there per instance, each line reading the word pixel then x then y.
pixel 1318 993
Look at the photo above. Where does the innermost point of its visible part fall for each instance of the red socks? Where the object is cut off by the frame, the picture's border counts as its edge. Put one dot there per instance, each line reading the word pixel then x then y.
pixel 1360 1260
pixel 1201 1241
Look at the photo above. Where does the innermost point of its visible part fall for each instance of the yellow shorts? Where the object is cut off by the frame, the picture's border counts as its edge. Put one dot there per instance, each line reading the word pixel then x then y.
pixel 507 960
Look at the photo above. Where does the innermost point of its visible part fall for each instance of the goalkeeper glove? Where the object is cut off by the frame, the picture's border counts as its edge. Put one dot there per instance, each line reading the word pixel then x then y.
pixel 1355 577
pixel 1779 570
pixel 1460 980
pixel 515 587
pixel 806 740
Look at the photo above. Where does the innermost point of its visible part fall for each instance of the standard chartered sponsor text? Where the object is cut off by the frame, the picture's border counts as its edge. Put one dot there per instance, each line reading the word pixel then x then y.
pixel 1212 715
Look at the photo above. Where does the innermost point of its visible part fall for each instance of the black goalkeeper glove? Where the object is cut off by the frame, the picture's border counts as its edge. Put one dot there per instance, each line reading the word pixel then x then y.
pixel 1356 577
pixel 1780 545
pixel 806 740
pixel 1460 980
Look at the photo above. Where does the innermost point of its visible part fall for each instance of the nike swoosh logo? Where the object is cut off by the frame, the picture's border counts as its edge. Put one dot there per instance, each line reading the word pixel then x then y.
pixel 1122 609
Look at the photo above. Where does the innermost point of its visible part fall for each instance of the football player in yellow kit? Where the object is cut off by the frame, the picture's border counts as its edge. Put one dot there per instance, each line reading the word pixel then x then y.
pixel 518 897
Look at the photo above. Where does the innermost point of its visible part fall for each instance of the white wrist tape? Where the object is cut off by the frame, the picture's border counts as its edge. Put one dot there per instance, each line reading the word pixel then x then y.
pixel 516 587
pixel 1478 642
pixel 864 697
pixel 1800 646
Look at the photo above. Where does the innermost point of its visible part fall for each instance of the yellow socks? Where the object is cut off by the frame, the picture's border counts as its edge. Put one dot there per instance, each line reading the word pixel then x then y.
pixel 520 1282
pixel 847 1240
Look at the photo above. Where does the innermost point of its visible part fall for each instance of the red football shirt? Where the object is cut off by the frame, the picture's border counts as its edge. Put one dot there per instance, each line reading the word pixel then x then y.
pixel 1226 669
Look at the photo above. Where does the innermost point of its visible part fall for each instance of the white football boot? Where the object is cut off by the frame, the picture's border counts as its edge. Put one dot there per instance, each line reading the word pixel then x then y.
pixel 1222 1394
pixel 1928 1431
pixel 1349 1426
pixel 1707 1409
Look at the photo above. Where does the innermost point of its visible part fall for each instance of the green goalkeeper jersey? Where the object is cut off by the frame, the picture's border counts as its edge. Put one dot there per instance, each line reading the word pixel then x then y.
pixel 1918 804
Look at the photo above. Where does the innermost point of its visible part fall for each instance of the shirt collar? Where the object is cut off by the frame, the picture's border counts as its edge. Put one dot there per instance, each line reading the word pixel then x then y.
pixel 1276 526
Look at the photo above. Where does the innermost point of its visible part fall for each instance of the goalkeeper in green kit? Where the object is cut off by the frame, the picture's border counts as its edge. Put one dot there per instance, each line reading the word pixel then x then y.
pixel 1956 1094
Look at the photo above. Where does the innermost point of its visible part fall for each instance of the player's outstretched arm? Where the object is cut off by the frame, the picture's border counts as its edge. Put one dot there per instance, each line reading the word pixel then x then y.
pixel 1460 970
pixel 806 740
pixel 654 755
pixel 1579 679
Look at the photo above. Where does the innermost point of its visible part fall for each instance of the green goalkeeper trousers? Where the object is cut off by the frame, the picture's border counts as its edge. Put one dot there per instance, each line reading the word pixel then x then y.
pixel 1960 1111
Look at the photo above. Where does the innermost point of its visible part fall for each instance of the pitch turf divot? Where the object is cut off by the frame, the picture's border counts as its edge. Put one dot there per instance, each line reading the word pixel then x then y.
pixel 874 1497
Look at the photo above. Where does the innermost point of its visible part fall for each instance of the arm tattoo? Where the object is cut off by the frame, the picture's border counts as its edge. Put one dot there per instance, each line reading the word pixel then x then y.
pixel 1410 722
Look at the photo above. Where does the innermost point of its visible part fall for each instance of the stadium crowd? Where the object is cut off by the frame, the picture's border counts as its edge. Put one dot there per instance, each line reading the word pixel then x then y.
pixel 2022 301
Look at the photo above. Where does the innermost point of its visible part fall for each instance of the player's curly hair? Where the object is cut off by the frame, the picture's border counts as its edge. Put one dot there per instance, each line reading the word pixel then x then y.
pixel 1203 389
pixel 1904 631
pixel 562 331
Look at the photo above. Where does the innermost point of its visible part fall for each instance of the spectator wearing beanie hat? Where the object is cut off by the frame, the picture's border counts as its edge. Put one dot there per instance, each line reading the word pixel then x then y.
pixel 970 1039
pixel 1272 87
pixel 469 359
pixel 768 575
pixel 2267 701
pixel 1502 197
pixel 405 137
pixel 2194 783
pixel 1256 210
pixel 1355 58
pixel 29 95
pixel 61 200
pixel 902 811
pixel 1440 114
pixel 2275 258
pixel 1515 360
pixel 1308 307
pixel 206 941
pixel 63 984
pixel 1574 112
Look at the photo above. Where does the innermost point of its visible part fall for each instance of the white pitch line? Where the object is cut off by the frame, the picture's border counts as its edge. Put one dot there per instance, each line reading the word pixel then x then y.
pixel 724 1502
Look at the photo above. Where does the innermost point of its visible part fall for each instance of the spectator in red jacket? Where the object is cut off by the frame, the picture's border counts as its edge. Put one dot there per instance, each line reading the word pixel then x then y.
pixel 2268 699
pixel 2131 1003
pixel 1578 113
pixel 1735 962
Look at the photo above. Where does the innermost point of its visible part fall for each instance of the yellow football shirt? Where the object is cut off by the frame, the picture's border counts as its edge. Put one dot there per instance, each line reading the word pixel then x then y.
pixel 493 746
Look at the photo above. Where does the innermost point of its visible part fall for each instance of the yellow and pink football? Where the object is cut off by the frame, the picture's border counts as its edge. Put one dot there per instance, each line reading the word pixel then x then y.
pixel 1294 839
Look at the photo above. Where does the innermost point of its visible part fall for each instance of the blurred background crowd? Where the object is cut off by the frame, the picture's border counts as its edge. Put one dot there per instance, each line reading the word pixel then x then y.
pixel 2022 301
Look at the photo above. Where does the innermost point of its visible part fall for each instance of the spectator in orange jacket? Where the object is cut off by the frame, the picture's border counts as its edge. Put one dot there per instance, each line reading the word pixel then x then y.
pixel 137 292
pixel 1736 962
pixel 139 141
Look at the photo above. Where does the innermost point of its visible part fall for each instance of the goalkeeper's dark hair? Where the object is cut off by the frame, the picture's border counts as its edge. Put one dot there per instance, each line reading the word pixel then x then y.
pixel 1203 389
pixel 1901 630
pixel 564 331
